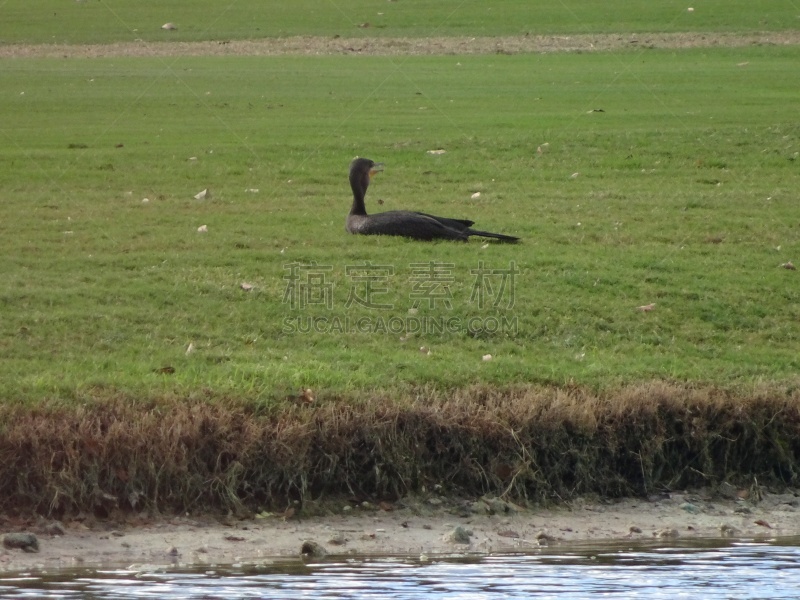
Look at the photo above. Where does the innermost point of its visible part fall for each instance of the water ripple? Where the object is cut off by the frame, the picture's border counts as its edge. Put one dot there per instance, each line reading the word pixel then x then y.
pixel 736 570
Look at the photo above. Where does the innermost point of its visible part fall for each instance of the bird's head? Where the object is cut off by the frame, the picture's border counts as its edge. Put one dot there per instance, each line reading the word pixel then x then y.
pixel 361 169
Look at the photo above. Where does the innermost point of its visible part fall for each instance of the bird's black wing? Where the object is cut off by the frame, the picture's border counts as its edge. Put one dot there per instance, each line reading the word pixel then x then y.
pixel 458 224
pixel 410 224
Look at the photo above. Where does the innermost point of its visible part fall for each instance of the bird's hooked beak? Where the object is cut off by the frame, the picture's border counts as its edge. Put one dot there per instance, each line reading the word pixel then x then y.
pixel 376 168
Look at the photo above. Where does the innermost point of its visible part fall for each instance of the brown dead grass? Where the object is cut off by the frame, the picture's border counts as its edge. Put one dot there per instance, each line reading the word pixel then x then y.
pixel 529 444
pixel 319 46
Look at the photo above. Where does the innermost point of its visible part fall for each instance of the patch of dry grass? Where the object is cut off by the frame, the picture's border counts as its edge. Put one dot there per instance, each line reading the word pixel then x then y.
pixel 404 46
pixel 528 443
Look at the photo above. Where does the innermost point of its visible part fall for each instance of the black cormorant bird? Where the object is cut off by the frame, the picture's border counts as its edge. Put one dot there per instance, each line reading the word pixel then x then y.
pixel 416 225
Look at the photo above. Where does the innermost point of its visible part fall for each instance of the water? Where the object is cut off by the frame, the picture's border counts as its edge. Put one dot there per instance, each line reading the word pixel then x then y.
pixel 736 570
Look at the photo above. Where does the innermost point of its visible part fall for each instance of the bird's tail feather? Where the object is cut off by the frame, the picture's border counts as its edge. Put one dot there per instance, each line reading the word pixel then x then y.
pixel 497 236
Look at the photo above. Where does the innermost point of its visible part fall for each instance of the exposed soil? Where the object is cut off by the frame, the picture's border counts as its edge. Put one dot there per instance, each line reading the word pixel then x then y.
pixel 415 527
pixel 319 46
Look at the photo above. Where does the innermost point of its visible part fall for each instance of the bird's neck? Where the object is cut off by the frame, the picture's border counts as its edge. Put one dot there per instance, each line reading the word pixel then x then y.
pixel 359 192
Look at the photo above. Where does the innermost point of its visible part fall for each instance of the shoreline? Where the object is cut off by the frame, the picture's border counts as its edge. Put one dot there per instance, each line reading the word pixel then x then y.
pixel 415 527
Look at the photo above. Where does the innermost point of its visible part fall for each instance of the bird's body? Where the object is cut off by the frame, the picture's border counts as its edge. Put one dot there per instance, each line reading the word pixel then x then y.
pixel 406 223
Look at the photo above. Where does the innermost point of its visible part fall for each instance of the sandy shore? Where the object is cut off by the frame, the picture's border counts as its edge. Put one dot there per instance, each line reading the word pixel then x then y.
pixel 419 526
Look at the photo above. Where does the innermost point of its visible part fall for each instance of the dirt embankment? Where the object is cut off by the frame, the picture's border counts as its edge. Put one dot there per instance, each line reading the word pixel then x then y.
pixel 320 46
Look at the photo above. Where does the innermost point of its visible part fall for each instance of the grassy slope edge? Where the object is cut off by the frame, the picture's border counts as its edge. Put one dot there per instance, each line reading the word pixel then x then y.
pixel 530 444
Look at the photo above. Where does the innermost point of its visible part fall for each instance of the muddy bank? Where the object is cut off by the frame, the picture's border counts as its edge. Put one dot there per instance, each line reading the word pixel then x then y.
pixel 412 526
pixel 321 46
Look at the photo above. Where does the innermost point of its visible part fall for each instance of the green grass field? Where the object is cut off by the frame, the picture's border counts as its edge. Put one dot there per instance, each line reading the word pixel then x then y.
pixel 686 197
pixel 103 21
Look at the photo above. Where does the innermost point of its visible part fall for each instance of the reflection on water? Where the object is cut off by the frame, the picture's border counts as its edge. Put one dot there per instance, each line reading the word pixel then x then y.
pixel 707 571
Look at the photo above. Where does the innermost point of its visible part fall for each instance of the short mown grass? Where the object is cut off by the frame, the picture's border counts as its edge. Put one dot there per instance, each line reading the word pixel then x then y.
pixel 684 197
pixel 97 22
